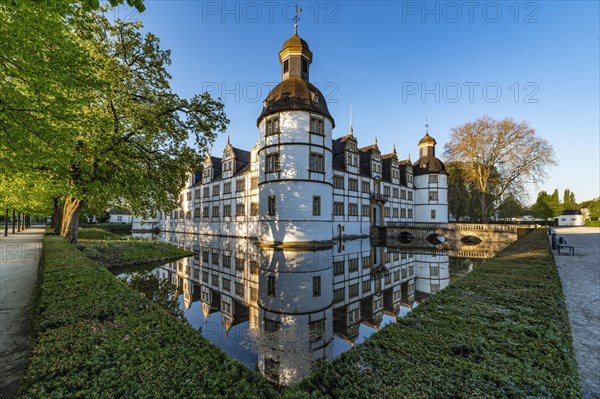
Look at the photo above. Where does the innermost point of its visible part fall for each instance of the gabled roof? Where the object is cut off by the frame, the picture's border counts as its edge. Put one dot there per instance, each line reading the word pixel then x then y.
pixel 570 212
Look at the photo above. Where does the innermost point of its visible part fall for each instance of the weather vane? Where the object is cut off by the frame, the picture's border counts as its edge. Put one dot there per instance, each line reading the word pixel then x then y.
pixel 296 18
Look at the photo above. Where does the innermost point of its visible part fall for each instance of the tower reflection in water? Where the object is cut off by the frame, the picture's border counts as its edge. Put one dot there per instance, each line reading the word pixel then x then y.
pixel 281 312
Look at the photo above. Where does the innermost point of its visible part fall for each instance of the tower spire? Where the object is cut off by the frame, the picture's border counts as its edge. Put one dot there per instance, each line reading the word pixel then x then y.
pixel 426 126
pixel 351 128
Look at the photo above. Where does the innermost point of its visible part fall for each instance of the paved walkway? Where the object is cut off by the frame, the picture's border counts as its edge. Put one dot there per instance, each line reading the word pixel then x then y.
pixel 19 257
pixel 580 276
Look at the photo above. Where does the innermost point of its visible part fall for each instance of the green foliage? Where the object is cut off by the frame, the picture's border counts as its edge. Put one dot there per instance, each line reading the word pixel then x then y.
pixel 501 332
pixel 569 201
pixel 592 223
pixel 594 208
pixel 510 207
pixel 117 228
pixel 97 338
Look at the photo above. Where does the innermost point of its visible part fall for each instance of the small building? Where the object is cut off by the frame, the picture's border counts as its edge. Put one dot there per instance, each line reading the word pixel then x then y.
pixel 117 215
pixel 571 217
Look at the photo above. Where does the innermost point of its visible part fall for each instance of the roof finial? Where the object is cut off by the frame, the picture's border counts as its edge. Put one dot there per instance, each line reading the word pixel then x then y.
pixel 228 140
pixel 351 128
pixel 375 140
pixel 409 156
pixel 296 18
pixel 394 149
pixel 426 126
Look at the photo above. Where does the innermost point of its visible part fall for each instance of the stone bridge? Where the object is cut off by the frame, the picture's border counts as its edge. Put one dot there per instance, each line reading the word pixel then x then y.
pixel 454 237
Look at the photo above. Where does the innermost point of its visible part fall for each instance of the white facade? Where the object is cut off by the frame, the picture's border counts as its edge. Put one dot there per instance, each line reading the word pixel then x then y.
pixel 300 185
pixel 120 218
pixel 571 218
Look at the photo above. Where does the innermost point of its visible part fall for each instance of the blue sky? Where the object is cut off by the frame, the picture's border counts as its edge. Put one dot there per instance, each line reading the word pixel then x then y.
pixel 399 63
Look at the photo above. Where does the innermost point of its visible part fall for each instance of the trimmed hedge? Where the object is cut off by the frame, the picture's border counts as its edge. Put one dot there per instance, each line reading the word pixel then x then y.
pixel 96 338
pixel 501 332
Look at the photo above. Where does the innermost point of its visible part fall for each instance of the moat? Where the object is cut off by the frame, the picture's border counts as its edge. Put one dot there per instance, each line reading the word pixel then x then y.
pixel 282 312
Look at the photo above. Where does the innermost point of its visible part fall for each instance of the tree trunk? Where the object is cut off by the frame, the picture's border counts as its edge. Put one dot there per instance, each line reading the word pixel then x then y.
pixel 58 216
pixel 14 221
pixel 70 220
pixel 484 218
pixel 19 222
pixel 6 223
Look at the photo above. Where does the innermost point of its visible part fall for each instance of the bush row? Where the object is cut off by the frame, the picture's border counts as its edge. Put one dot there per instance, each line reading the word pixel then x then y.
pixel 96 338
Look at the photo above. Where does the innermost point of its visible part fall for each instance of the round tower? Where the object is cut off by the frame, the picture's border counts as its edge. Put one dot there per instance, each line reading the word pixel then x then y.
pixel 295 156
pixel 430 184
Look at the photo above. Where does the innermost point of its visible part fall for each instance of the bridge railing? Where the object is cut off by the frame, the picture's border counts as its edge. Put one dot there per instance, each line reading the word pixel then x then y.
pixel 454 226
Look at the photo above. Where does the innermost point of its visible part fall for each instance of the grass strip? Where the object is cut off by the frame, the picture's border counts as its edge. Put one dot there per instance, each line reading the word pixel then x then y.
pixel 501 332
pixel 93 337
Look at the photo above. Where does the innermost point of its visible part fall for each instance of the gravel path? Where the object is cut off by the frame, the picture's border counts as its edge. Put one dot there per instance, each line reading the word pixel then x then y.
pixel 19 258
pixel 580 276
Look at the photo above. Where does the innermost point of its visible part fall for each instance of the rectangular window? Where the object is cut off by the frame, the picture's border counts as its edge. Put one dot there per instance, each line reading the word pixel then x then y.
pixel 386 212
pixel 271 326
pixel 205 277
pixel 205 256
pixel 353 184
pixel 317 163
pixel 366 210
pixel 410 213
pixel 338 181
pixel 227 188
pixel 338 268
pixel 240 264
pixel 353 290
pixel 304 65
pixel 395 193
pixel 253 267
pixel 433 196
pixel 316 206
pixel 272 162
pixel 226 211
pixel 254 209
pixel 352 209
pixel 240 185
pixel 410 195
pixel 366 187
pixel 271 285
pixel 395 212
pixel 286 66
pixel 226 166
pixel 227 261
pixel 196 213
pixel 352 265
pixel 366 286
pixel 317 286
pixel 206 192
pixel 216 190
pixel 226 285
pixel 272 206
pixel 433 178
pixel 388 277
pixel 433 214
pixel 272 126
pixel 402 212
pixel 402 194
pixel 215 212
pixel 239 289
pixel 215 281
pixel 434 270
pixel 205 212
pixel 366 261
pixel 316 126
pixel 316 330
pixel 254 183
pixel 338 208
pixel 119 218
pixel 339 295
pixel 197 195
pixel 386 191
pixel 240 210
pixel 215 258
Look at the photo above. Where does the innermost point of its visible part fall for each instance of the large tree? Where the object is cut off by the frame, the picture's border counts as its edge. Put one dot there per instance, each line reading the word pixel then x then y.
pixel 501 156
pixel 140 141
pixel 569 201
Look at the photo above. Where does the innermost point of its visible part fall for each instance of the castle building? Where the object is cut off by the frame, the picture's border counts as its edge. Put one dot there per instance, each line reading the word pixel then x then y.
pixel 300 185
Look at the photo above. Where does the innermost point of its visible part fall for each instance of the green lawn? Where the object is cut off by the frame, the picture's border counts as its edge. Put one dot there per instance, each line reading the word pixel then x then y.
pixel 113 250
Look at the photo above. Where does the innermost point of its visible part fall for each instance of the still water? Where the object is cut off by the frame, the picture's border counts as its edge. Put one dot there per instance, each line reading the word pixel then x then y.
pixel 282 312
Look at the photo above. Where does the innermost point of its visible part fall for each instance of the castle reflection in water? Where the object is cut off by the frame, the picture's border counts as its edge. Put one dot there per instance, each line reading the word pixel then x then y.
pixel 281 312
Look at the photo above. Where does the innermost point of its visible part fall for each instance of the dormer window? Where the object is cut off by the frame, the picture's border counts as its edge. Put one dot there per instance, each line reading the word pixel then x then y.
pixel 272 126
